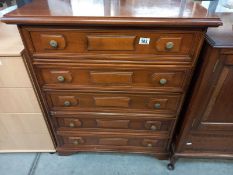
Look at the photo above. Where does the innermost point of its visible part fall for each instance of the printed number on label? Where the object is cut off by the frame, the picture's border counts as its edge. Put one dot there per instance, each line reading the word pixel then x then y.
pixel 145 41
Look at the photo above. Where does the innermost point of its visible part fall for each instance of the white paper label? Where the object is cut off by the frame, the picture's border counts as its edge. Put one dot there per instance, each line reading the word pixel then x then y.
pixel 145 41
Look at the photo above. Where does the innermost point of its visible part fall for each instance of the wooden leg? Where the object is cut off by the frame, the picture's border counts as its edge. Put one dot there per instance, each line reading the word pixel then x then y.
pixel 171 164
pixel 65 153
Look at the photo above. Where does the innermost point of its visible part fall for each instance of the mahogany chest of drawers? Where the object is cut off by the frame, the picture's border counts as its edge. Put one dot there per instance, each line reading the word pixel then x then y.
pixel 116 82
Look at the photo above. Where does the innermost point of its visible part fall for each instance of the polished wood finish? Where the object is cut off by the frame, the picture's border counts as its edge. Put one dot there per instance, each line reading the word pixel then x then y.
pixel 112 101
pixel 116 13
pixel 96 121
pixel 208 125
pixel 108 41
pixel 113 76
pixel 139 143
pixel 114 80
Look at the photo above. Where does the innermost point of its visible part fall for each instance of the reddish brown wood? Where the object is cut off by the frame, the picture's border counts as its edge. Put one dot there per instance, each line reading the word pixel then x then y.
pixel 110 43
pixel 125 13
pixel 101 140
pixel 153 124
pixel 114 81
pixel 113 76
pixel 208 125
pixel 113 101
pixel 105 123
pixel 46 39
pixel 120 102
pixel 85 41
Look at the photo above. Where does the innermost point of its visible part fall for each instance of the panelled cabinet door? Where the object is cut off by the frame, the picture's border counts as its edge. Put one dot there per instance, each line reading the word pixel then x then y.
pixel 218 103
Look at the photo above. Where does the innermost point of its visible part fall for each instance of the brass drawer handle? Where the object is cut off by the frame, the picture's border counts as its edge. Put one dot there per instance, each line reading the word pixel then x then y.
pixel 71 125
pixel 76 142
pixel 149 145
pixel 163 81
pixel 53 44
pixel 169 45
pixel 189 143
pixel 61 79
pixel 157 105
pixel 153 128
pixel 67 103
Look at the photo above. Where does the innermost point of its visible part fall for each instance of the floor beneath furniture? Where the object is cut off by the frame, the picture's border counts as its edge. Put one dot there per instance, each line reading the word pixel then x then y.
pixel 106 164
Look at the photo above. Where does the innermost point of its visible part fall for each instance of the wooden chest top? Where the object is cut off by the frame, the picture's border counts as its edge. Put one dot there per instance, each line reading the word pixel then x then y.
pixel 148 13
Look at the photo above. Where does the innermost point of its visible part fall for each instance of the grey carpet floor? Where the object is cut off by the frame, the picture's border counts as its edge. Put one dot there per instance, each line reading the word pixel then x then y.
pixel 106 164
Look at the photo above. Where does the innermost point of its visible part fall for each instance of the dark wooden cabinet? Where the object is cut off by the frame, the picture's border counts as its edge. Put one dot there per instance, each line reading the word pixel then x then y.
pixel 114 81
pixel 217 113
pixel 208 126
pixel 207 119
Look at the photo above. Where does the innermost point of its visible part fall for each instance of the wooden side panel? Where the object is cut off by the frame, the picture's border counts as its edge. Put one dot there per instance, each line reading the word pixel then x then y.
pixel 24 133
pixel 13 73
pixel 208 124
pixel 21 142
pixel 18 100
pixel 22 123
pixel 218 113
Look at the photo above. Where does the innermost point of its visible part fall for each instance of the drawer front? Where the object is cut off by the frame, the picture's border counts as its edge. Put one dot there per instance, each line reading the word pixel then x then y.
pixel 154 125
pixel 91 140
pixel 158 77
pixel 209 143
pixel 160 42
pixel 94 101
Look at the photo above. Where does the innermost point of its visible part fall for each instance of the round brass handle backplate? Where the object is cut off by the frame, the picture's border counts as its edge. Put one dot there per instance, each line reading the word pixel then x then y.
pixel 163 81
pixel 60 78
pixel 67 103
pixel 157 105
pixel 169 45
pixel 149 145
pixel 53 44
pixel 71 125
pixel 76 142
pixel 153 128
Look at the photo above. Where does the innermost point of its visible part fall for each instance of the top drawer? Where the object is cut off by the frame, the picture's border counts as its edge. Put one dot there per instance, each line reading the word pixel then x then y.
pixel 160 42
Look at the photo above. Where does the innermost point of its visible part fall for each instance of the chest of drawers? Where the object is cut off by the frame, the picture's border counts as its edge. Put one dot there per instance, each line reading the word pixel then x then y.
pixel 113 83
